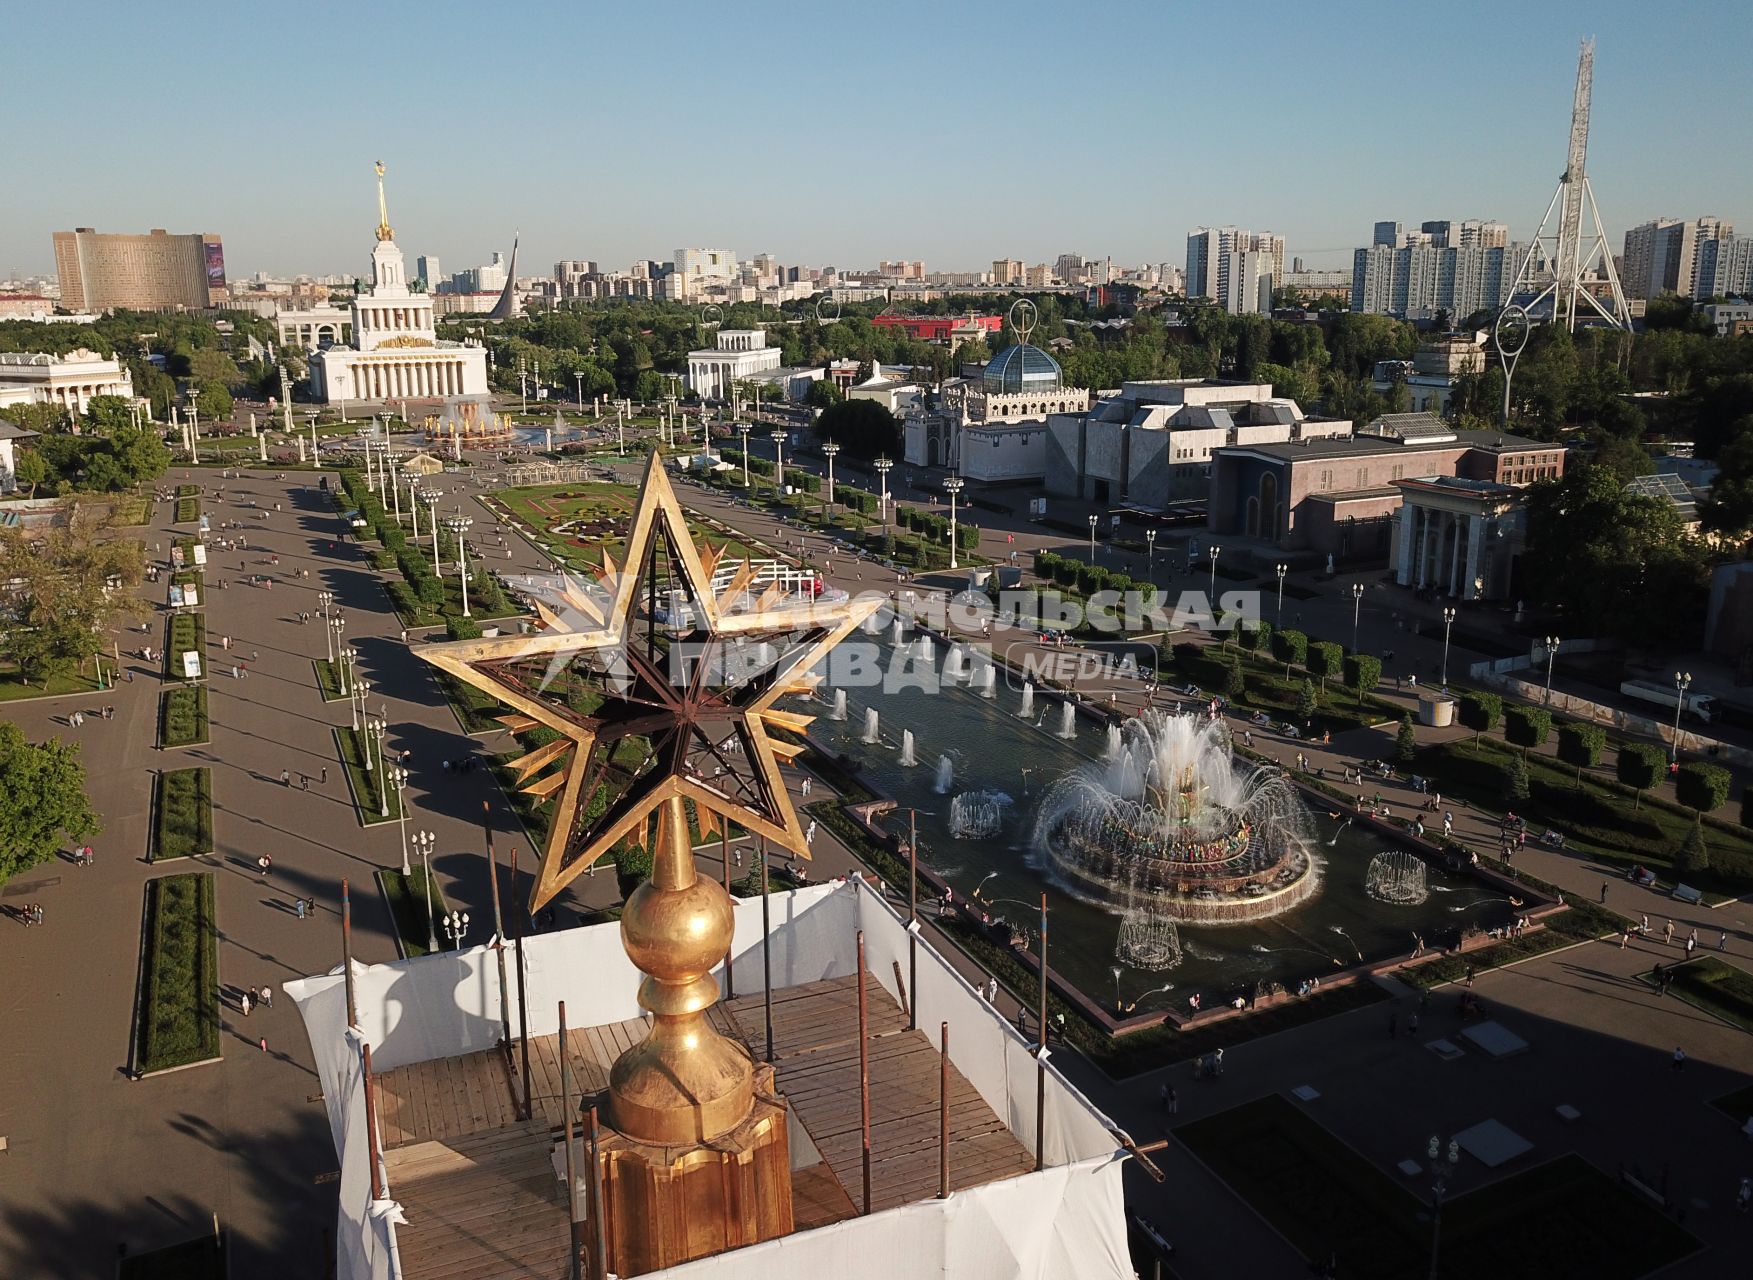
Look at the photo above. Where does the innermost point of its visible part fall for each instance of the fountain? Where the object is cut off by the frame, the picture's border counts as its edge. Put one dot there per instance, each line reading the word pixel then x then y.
pixel 989 681
pixel 1067 720
pixel 1398 876
pixel 1335 840
pixel 926 652
pixel 946 775
pixel 907 760
pixel 839 711
pixel 952 663
pixel 1113 750
pixel 1148 941
pixel 897 632
pixel 1176 828
pixel 977 815
pixel 871 735
pixel 1028 708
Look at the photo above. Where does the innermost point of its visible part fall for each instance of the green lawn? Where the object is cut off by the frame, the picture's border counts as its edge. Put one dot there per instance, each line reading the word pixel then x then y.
pixel 131 509
pixel 328 680
pixel 541 507
pixel 177 1019
pixel 1582 921
pixel 1269 690
pixel 1715 986
pixel 182 819
pixel 188 510
pixel 1563 1218
pixel 14 688
pixel 351 744
pixel 476 710
pixel 186 632
pixel 406 897
pixel 182 716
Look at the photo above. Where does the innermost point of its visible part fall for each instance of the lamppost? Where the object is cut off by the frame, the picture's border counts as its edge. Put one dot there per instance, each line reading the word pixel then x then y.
pixel 324 599
pixel 456 924
pixel 459 525
pixel 375 728
pixel 1116 970
pixel 364 434
pixel 347 656
pixel 1551 658
pixel 361 687
pixel 414 506
pixel 1682 682
pixel 953 485
pixel 1442 1168
pixel 399 776
pixel 430 497
pixel 523 385
pixel 883 467
pixel 1280 570
pixel 1092 538
pixel 1214 550
pixel 389 475
pixel 578 377
pixel 743 430
pixel 1150 554
pixel 1356 611
pixel 778 438
pixel 1448 622
pixel 423 843
pixel 830 451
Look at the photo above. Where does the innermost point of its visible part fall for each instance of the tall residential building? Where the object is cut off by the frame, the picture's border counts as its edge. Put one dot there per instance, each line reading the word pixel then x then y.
pixel 1215 254
pixel 1724 268
pixel 696 269
pixel 1422 277
pixel 153 272
pixel 427 268
pixel 1661 256
pixel 1007 271
pixel 1386 233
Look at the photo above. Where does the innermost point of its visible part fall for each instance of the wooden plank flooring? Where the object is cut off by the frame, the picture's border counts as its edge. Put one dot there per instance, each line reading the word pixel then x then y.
pixel 815 1049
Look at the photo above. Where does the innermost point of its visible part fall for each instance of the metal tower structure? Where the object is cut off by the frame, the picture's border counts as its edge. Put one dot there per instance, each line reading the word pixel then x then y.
pixel 1573 254
pixel 510 305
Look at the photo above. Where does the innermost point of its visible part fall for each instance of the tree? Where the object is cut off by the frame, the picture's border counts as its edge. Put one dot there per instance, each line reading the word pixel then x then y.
pixel 1694 854
pixel 30 470
pixel 42 800
pixel 1527 726
pixel 1581 745
pixel 61 601
pixel 1516 781
pixel 1480 712
pixel 824 393
pixel 1291 648
pixel 1702 787
pixel 1406 741
pixel 863 428
pixel 1235 684
pixel 1363 672
pixel 214 402
pixel 1256 637
pixel 1305 700
pixel 1326 661
pixel 1640 766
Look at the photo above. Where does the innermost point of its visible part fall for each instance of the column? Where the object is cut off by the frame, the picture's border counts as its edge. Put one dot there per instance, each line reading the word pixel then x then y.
pixel 1408 523
pixel 1454 576
pixel 1475 538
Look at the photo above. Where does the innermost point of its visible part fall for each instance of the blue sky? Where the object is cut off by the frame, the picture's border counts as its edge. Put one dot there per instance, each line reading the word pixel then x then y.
pixel 843 133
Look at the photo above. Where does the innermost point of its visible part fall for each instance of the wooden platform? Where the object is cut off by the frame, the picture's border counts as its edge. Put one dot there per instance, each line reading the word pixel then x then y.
pixel 815 1049
pixel 478 1184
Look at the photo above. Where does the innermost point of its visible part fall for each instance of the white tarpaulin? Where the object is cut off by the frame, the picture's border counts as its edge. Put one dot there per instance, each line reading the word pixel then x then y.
pixel 1065 1222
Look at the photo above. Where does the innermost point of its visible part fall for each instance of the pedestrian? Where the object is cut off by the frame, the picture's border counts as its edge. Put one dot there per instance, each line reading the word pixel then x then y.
pixel 263 864
pixel 298 908
pixel 304 782
pixel 1470 974
pixel 1659 976
pixel 1163 1094
pixel 1722 941
pixel 1668 933
pixel 286 777
pixel 266 996
pixel 247 1001
pixel 1217 1063
pixel 263 1042
pixel 1691 945
pixel 404 635
pixel 1624 937
pixel 325 776
pixel 1679 1062
pixel 1412 1023
pixel 1174 1100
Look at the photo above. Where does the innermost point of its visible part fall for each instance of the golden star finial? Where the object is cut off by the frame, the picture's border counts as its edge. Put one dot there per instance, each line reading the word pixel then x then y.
pixel 658 690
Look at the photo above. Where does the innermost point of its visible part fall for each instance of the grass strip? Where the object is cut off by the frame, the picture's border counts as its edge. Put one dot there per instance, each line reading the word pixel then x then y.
pixel 1717 987
pixel 182 821
pixel 188 510
pixel 182 716
pixel 328 680
pixel 185 633
pixel 177 1020
pixel 406 898
pixel 351 744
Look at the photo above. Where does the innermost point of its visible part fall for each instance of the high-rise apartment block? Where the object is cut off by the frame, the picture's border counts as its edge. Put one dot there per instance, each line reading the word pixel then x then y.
pixel 153 272
pixel 1007 271
pixel 1234 268
pixel 429 269
pixel 1423 278
pixel 1661 256
pixel 1724 268
pixel 698 268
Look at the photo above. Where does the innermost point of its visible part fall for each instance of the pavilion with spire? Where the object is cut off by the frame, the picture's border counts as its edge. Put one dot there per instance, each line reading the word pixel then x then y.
pixel 396 353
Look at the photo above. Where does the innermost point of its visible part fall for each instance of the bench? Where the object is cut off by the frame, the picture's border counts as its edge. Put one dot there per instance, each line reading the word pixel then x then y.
pixel 1567 1113
pixel 1686 893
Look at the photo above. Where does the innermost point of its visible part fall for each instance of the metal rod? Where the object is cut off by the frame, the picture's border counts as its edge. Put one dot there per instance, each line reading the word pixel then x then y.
pixel 730 986
pixel 498 933
pixel 523 1009
pixel 576 1267
pixel 1041 1053
pixel 766 951
pixel 599 1235
pixel 863 1071
pixel 912 920
pixel 943 1118
pixel 347 954
pixel 371 1126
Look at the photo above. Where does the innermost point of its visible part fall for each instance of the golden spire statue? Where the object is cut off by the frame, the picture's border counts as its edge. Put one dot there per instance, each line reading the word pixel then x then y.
pixel 660 693
pixel 383 210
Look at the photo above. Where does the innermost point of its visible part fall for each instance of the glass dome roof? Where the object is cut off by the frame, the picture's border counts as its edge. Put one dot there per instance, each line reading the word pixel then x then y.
pixel 1022 367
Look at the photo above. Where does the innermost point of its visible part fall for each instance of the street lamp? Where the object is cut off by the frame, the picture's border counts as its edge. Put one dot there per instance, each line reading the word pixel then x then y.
pixel 1116 970
pixel 1150 554
pixel 1092 538
pixel 1442 1168
pixel 1280 570
pixel 883 467
pixel 423 844
pixel 953 485
pixel 399 776
pixel 1356 611
pixel 459 525
pixel 375 728
pixel 364 434
pixel 430 497
pixel 1682 682
pixel 579 379
pixel 1214 550
pixel 347 656
pixel 456 924
pixel 830 451
pixel 778 438
pixel 414 506
pixel 324 598
pixel 1551 658
pixel 1448 622
pixel 743 429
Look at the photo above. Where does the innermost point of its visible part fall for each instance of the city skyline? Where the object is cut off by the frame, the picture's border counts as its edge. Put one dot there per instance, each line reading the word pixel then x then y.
pixel 697 143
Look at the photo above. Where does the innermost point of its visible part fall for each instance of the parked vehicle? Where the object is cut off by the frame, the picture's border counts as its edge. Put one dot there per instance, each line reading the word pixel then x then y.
pixel 1702 706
